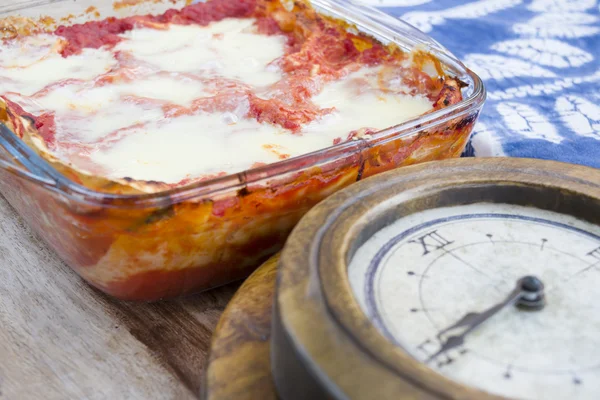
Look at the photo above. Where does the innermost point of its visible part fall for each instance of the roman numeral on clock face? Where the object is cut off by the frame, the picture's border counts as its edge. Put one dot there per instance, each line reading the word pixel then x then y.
pixel 595 253
pixel 432 241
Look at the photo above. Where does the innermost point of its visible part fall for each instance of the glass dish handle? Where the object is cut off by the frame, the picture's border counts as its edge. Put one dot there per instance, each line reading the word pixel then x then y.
pixel 395 27
pixel 398 24
pixel 19 161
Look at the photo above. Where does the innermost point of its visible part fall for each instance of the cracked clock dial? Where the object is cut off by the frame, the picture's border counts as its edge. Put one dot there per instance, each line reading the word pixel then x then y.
pixel 426 271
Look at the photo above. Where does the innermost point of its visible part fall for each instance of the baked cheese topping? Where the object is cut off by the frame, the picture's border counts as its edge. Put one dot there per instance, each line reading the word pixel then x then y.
pixel 181 102
pixel 357 102
pixel 228 49
pixel 30 65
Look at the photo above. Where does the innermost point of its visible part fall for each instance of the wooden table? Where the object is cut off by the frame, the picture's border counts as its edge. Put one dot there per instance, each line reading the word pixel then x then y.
pixel 62 339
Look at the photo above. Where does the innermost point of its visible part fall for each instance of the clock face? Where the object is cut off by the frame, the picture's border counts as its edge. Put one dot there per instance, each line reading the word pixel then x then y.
pixel 426 271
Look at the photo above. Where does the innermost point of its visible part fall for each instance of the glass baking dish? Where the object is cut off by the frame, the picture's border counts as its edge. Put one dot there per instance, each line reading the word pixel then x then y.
pixel 161 245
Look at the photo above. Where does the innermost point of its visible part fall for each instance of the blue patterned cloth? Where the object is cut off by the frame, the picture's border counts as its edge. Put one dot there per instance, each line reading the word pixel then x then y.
pixel 540 61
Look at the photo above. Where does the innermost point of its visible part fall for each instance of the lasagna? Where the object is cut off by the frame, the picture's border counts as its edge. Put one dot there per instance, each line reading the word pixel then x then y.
pixel 177 137
pixel 155 102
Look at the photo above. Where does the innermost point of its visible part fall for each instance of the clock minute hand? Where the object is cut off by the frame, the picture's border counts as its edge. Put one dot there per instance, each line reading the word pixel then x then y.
pixel 528 294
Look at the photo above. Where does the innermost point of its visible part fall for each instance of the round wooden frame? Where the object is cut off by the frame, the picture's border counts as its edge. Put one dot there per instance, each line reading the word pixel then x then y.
pixel 323 345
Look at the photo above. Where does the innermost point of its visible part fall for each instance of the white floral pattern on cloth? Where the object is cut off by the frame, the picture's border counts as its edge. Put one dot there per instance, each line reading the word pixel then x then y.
pixel 540 61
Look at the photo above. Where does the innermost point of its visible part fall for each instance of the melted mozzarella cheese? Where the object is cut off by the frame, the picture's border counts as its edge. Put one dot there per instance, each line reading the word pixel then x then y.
pixel 86 113
pixel 105 125
pixel 358 103
pixel 26 51
pixel 44 68
pixel 180 91
pixel 89 98
pixel 229 48
pixel 188 147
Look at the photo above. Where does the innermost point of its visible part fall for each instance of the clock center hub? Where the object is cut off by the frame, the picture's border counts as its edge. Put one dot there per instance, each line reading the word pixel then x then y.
pixel 532 296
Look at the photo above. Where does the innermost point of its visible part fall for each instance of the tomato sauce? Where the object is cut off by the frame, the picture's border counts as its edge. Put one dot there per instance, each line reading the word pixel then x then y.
pixel 46 127
pixel 95 34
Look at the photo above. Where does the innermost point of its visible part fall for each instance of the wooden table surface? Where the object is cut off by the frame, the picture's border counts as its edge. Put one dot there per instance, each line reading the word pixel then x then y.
pixel 62 339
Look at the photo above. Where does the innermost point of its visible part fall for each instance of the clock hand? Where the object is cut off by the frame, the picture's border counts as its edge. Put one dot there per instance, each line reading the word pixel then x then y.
pixel 528 294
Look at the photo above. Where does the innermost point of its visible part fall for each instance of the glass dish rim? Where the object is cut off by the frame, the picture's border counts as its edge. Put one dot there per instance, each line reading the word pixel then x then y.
pixel 41 172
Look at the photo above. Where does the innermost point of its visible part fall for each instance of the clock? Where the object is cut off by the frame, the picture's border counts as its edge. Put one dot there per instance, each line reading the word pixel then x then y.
pixel 459 279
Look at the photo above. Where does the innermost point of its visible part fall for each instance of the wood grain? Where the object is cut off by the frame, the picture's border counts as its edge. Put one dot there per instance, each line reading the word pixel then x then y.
pixel 62 339
pixel 239 365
